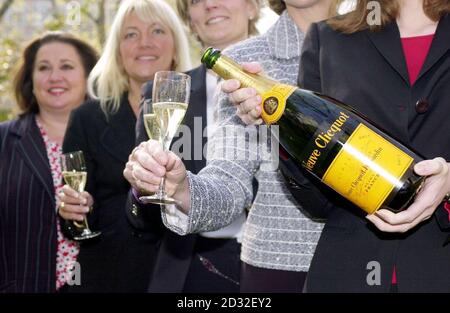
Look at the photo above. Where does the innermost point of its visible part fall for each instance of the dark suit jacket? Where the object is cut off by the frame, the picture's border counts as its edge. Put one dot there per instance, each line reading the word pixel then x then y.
pixel 108 263
pixel 175 254
pixel 368 71
pixel 27 210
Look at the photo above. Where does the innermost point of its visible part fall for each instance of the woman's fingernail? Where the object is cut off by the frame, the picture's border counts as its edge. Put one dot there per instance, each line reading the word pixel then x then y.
pixel 421 167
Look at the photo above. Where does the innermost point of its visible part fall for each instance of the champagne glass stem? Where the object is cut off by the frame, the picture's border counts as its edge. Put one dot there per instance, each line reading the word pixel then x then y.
pixel 85 221
pixel 161 190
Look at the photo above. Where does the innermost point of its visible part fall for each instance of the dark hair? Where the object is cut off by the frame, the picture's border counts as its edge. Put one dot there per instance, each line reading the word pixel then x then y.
pixel 357 20
pixel 277 5
pixel 23 79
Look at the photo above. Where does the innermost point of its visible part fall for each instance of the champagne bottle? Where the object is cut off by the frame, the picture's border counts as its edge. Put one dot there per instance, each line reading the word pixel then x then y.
pixel 332 141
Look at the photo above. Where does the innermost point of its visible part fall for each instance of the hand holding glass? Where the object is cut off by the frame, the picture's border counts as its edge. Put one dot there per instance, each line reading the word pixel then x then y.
pixel 73 169
pixel 163 115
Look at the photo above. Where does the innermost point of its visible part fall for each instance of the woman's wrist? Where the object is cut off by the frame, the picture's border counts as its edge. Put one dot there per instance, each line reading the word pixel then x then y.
pixel 183 196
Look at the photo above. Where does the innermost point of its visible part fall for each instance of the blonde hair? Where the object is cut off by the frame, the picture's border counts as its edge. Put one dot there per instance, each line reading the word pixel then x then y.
pixel 183 11
pixel 357 20
pixel 108 80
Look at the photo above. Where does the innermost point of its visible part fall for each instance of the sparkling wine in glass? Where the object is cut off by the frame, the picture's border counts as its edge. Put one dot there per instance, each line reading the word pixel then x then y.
pixel 163 115
pixel 74 173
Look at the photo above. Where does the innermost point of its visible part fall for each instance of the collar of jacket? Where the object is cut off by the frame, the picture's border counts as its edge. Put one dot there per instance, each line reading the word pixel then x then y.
pixel 387 42
pixel 285 38
pixel 31 147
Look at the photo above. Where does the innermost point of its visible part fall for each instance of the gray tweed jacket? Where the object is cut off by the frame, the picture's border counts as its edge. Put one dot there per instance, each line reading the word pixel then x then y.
pixel 278 234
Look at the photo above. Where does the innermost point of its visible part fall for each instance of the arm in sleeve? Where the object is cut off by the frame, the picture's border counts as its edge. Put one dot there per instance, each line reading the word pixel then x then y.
pixel 223 189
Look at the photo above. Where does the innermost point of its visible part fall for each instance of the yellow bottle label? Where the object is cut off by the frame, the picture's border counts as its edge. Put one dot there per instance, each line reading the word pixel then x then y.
pixel 367 169
pixel 274 102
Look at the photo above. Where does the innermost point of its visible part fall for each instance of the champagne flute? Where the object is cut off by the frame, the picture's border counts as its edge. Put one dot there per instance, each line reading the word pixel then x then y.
pixel 163 115
pixel 74 173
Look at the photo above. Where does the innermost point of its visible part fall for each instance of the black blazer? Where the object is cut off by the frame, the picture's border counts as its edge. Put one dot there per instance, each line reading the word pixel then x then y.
pixel 175 254
pixel 368 71
pixel 106 143
pixel 108 263
pixel 27 210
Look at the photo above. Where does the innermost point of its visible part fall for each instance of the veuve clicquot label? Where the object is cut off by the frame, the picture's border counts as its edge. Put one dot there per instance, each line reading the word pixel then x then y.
pixel 366 168
pixel 331 140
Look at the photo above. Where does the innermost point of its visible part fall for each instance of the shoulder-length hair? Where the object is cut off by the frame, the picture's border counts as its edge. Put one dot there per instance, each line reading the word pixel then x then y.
pixel 23 78
pixel 183 11
pixel 108 80
pixel 357 19
pixel 278 6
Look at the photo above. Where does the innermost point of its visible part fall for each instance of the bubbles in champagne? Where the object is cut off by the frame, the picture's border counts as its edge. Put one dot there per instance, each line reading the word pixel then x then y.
pixel 76 180
pixel 170 115
pixel 152 126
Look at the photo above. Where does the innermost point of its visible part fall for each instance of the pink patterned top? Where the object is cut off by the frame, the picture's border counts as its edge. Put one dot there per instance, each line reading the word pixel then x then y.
pixel 67 250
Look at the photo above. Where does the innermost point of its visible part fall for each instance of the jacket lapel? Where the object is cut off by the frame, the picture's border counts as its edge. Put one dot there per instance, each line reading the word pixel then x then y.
pixel 439 46
pixel 31 148
pixel 118 138
pixel 387 42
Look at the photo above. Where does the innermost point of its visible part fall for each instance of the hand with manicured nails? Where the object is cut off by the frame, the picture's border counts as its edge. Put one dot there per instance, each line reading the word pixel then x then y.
pixel 436 186
pixel 148 164
pixel 74 205
pixel 247 100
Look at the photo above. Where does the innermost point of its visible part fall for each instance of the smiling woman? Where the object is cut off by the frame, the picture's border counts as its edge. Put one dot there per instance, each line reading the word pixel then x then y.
pixel 146 36
pixel 50 82
pixel 209 261
pixel 140 28
pixel 222 22
pixel 58 79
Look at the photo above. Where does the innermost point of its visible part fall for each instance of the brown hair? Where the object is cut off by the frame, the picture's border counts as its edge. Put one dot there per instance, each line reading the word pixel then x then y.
pixel 183 12
pixel 357 20
pixel 23 79
pixel 278 6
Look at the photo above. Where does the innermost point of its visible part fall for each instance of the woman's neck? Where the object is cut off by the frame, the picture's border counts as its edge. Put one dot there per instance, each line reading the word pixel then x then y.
pixel 223 45
pixel 54 124
pixel 412 20
pixel 305 16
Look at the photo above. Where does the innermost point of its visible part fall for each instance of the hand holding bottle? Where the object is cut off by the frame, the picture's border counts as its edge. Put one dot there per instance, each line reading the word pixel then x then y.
pixel 335 143
pixel 247 100
pixel 436 186
pixel 149 163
